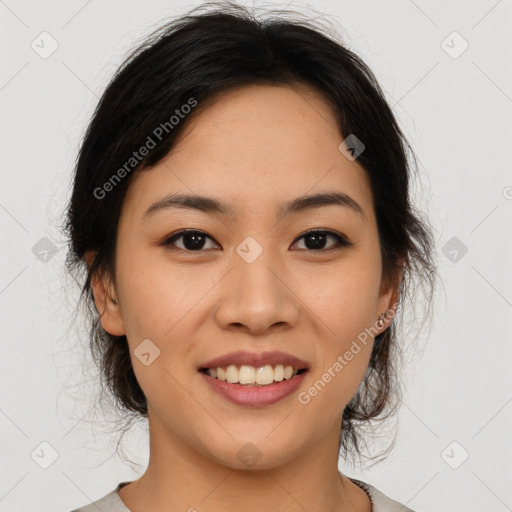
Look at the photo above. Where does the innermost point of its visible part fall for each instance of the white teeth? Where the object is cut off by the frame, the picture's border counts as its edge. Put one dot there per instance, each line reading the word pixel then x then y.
pixel 265 374
pixel 279 373
pixel 247 375
pixel 232 374
pixel 250 375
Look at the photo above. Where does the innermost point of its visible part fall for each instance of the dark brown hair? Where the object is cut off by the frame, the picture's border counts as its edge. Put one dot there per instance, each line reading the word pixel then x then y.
pixel 202 55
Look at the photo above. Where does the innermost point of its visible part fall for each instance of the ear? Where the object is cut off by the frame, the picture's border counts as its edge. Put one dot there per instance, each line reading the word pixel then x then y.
pixel 105 299
pixel 388 299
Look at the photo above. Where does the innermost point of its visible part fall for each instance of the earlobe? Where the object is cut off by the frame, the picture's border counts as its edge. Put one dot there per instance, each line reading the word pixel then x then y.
pixel 105 300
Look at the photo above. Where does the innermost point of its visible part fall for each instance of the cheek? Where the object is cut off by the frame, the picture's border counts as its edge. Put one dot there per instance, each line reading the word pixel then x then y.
pixel 156 305
pixel 156 294
pixel 343 301
pixel 160 303
pixel 344 298
pixel 343 360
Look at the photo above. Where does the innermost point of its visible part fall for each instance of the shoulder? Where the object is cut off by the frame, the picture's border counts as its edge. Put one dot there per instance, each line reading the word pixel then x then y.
pixel 381 502
pixel 111 502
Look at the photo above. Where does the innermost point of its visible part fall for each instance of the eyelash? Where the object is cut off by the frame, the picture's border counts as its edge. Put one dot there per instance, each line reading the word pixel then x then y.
pixel 341 240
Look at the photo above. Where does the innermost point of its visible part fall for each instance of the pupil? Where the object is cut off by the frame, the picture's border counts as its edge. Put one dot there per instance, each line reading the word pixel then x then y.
pixel 318 240
pixel 196 238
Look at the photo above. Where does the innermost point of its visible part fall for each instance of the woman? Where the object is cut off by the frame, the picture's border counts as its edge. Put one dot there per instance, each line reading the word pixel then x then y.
pixel 241 209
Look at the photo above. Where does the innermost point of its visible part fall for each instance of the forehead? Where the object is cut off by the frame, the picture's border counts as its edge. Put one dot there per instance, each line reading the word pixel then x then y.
pixel 276 123
pixel 256 144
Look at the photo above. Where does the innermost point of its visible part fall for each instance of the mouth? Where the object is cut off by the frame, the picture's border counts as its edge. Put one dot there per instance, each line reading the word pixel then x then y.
pixel 254 369
pixel 252 376
pixel 252 379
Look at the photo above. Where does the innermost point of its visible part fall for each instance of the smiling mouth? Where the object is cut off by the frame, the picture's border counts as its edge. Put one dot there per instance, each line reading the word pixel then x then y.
pixel 251 376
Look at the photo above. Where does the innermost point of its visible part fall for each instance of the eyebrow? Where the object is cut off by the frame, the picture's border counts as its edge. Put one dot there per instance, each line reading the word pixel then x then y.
pixel 215 206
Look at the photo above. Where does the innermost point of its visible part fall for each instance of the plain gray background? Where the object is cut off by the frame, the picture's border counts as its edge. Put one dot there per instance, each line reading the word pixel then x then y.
pixel 455 107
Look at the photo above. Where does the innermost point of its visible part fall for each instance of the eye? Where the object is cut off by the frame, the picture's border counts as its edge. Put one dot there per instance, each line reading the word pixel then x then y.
pixel 193 240
pixel 317 239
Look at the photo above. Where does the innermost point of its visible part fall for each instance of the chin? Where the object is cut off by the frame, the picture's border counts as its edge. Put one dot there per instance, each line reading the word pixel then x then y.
pixel 253 455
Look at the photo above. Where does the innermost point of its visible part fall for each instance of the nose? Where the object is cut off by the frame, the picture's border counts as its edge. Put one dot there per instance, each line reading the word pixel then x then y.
pixel 256 297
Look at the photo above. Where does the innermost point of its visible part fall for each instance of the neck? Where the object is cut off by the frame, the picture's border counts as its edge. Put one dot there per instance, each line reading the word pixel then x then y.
pixel 180 478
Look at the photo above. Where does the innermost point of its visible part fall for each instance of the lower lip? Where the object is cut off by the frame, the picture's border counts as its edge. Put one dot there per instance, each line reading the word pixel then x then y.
pixel 255 396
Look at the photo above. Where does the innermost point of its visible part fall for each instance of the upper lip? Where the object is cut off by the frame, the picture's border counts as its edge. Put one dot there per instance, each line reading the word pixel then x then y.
pixel 255 359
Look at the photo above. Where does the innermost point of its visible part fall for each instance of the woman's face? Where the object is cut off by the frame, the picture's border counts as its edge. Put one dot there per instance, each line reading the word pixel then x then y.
pixel 253 282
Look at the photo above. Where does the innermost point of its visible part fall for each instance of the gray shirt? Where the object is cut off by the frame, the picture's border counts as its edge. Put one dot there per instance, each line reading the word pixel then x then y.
pixel 113 503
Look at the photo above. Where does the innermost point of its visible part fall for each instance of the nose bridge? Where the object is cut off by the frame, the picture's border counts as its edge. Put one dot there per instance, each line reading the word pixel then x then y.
pixel 253 262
